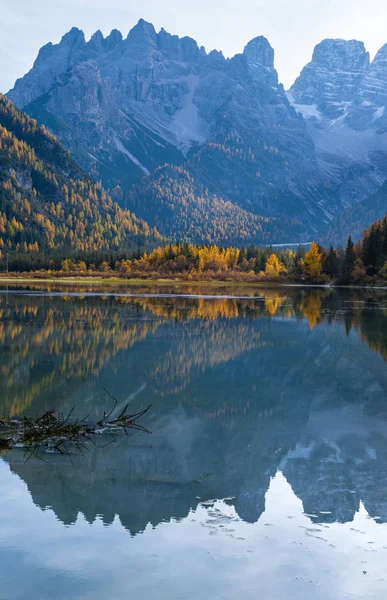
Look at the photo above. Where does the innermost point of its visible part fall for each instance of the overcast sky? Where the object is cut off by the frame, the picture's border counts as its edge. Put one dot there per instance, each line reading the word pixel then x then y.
pixel 293 27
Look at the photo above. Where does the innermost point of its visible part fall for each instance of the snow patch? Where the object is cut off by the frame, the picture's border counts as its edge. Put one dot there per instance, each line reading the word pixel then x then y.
pixel 186 124
pixel 182 130
pixel 379 112
pixel 308 111
pixel 121 148
pixel 93 157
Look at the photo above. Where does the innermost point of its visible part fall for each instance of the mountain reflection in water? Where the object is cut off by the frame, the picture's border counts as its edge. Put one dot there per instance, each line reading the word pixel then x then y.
pixel 286 388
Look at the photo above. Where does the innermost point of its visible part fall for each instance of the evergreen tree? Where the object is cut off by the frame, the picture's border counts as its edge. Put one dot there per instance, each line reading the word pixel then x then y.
pixel 349 260
pixel 372 247
pixel 384 244
pixel 332 263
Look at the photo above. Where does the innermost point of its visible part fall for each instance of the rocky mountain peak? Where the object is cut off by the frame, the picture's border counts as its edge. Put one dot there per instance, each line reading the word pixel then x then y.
pixel 259 52
pixel 183 49
pixel 114 38
pixel 73 37
pixel 260 59
pixel 96 41
pixel 344 100
pixel 330 80
pixel 52 62
pixel 215 57
pixel 338 53
pixel 190 50
pixel 72 40
pixel 142 34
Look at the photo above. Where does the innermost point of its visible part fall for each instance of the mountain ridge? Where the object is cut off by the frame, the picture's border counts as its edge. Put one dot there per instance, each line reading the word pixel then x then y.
pixel 153 99
pixel 153 112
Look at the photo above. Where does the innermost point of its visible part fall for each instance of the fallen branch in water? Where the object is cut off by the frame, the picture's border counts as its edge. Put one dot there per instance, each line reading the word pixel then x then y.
pixel 57 432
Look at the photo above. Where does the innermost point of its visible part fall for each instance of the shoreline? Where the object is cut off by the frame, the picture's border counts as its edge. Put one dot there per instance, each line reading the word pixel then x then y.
pixel 145 282
pixel 110 281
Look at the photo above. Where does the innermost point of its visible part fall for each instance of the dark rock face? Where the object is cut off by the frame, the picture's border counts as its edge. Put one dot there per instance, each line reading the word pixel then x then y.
pixel 126 108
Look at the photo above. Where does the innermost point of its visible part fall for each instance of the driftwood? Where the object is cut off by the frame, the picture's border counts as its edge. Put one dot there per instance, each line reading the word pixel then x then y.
pixel 56 432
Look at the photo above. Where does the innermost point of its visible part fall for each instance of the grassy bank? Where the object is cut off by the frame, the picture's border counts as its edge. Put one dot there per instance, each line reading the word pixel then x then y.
pixel 110 281
pixel 166 282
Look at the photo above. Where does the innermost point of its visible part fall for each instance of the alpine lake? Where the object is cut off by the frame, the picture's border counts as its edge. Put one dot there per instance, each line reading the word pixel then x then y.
pixel 264 475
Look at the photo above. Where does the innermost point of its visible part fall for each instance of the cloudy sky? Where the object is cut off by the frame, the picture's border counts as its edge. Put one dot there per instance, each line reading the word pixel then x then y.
pixel 293 27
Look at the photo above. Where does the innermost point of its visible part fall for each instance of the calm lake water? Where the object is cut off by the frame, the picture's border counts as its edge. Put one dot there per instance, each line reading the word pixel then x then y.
pixel 265 476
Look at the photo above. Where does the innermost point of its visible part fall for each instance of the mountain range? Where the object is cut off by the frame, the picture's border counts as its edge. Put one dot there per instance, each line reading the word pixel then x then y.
pixel 211 149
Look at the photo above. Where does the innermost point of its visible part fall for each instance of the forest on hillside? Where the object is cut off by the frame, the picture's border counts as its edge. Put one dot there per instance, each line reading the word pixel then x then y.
pixel 48 205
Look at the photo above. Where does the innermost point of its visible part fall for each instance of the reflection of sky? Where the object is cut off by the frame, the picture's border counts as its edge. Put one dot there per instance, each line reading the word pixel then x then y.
pixel 209 554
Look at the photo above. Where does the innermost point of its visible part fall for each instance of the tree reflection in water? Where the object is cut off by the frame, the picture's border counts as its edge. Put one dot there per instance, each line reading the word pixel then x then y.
pixel 278 380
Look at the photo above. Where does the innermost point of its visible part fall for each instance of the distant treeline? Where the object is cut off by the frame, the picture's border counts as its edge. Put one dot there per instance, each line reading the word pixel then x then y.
pixel 363 263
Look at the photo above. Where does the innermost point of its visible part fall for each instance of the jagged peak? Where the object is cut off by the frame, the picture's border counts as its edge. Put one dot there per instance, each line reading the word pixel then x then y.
pixel 190 47
pixel 142 32
pixel 164 33
pixel 73 36
pixel 96 41
pixel 114 38
pixel 98 35
pixel 115 34
pixel 259 52
pixel 167 40
pixel 216 55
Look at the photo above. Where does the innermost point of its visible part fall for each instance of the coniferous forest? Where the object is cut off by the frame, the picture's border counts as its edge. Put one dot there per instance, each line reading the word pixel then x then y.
pixel 48 205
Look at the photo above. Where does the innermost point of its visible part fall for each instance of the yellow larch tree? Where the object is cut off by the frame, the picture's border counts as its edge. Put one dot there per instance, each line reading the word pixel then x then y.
pixel 313 266
pixel 274 267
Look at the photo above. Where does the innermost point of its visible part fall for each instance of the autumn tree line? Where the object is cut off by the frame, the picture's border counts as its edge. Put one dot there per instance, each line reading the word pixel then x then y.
pixel 362 263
